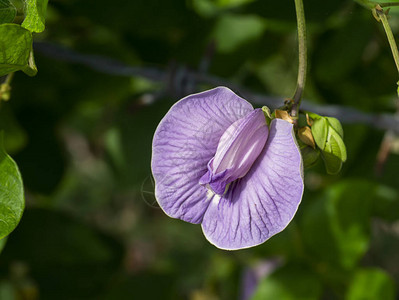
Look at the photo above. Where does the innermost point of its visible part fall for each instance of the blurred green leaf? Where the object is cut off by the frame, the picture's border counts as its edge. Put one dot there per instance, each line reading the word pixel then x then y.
pixel 370 284
pixel 208 8
pixel 232 2
pixel 340 52
pixel 68 258
pixel 7 11
pixel 233 31
pixel 309 156
pixel 7 291
pixel 336 226
pixel 386 203
pixel 16 50
pixel 12 201
pixel 289 283
pixel 35 11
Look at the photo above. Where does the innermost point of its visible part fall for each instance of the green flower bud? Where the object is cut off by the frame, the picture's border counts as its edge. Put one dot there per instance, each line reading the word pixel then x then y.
pixel 328 135
pixel 309 156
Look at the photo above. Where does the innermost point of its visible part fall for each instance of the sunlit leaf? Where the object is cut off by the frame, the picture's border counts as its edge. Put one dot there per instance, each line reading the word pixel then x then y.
pixel 334 152
pixel 12 201
pixel 320 131
pixel 35 11
pixel 334 123
pixel 328 135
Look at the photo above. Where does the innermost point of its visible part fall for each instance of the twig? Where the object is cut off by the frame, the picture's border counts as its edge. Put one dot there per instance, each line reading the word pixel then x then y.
pixel 105 65
pixel 302 61
pixel 389 136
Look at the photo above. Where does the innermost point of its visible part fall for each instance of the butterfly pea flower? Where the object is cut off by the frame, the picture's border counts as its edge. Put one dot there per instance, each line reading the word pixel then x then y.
pixel 217 163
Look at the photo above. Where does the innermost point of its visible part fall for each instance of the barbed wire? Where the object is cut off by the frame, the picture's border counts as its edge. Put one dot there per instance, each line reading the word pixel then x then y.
pixel 182 81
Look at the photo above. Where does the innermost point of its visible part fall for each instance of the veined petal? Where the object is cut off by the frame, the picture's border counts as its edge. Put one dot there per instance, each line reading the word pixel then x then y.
pixel 184 142
pixel 263 202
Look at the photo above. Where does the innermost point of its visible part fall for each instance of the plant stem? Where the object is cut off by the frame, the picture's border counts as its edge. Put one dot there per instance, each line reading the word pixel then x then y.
pixel 302 66
pixel 9 78
pixel 383 18
pixel 5 88
pixel 388 4
pixel 372 4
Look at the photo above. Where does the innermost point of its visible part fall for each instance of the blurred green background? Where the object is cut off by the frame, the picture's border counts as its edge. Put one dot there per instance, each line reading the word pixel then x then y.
pixel 82 140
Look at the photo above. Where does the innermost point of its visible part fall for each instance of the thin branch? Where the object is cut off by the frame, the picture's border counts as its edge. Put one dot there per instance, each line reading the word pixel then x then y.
pixel 302 61
pixel 108 66
pixel 381 16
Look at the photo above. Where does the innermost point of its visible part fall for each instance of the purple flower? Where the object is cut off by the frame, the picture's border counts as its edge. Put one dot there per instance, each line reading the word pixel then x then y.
pixel 216 163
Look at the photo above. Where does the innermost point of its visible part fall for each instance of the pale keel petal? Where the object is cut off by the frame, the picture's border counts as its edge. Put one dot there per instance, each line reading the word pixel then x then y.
pixel 263 202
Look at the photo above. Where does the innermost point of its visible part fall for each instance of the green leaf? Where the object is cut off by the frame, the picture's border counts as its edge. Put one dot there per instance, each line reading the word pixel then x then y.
pixel 289 283
pixel 16 50
pixel 334 123
pixel 35 11
pixel 7 11
pixel 334 153
pixel 12 200
pixel 320 132
pixel 370 284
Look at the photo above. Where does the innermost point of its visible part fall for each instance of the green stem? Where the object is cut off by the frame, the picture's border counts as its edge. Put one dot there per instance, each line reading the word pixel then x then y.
pixel 302 66
pixel 5 88
pixel 388 4
pixel 383 18
pixel 9 78
pixel 372 4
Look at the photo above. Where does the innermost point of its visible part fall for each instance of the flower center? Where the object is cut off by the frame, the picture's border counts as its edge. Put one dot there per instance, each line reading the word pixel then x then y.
pixel 238 148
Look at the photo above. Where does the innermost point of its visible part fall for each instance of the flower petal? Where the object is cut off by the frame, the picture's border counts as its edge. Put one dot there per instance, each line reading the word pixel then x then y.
pixel 184 142
pixel 263 202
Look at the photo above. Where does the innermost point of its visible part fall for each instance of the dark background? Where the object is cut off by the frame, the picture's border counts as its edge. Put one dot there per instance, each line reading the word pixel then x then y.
pixel 82 139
